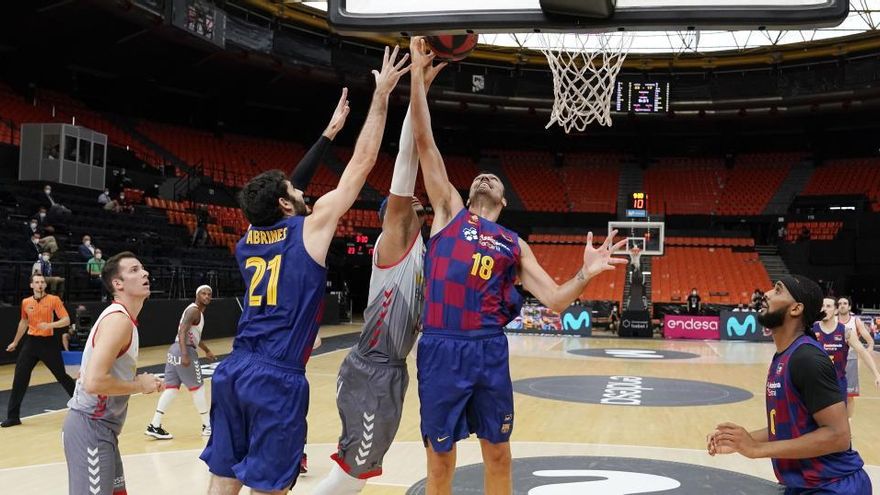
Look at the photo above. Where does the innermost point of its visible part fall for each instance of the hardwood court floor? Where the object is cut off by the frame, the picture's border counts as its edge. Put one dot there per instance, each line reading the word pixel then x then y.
pixel 31 458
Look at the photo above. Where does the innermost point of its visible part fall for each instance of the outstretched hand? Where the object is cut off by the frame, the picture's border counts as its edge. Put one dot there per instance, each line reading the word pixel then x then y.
pixel 422 56
pixel 392 70
pixel 599 260
pixel 337 121
pixel 431 72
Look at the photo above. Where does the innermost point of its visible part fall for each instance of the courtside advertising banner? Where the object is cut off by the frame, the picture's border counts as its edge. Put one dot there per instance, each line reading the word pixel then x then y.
pixel 691 327
pixel 538 319
pixel 743 325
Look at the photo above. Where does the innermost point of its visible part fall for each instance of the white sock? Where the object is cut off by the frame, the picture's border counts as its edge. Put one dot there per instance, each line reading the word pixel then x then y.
pixel 338 482
pixel 202 405
pixel 165 400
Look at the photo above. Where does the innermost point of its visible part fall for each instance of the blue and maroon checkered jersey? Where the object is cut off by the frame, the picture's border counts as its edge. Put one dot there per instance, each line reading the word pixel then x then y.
pixel 284 298
pixel 788 418
pixel 470 270
pixel 835 346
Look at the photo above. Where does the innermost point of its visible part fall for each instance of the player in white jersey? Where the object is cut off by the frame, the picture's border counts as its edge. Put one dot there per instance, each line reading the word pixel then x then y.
pixel 182 366
pixel 108 376
pixel 854 326
pixel 373 377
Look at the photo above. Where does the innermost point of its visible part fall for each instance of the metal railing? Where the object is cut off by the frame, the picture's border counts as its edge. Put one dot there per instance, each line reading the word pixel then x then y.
pixel 166 281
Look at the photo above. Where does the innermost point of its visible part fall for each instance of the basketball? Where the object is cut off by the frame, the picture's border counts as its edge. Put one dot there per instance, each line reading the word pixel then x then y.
pixel 452 48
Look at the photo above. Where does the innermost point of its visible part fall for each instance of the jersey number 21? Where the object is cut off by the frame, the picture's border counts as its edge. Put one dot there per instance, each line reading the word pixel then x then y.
pixel 260 265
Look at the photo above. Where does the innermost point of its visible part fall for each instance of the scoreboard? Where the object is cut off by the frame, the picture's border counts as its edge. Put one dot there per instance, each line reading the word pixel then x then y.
pixel 360 245
pixel 641 97
pixel 638 205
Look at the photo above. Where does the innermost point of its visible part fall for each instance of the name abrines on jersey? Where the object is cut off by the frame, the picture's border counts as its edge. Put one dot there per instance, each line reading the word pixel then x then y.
pixel 266 236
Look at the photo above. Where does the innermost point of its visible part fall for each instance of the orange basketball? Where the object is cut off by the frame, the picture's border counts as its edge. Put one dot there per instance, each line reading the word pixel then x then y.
pixel 452 47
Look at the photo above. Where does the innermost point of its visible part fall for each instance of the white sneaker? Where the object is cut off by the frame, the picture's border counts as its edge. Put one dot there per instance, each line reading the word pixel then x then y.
pixel 206 431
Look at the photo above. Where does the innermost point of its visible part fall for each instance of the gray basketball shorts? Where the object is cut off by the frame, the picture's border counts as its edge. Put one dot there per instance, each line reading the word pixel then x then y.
pixel 852 377
pixel 369 397
pixel 94 466
pixel 175 373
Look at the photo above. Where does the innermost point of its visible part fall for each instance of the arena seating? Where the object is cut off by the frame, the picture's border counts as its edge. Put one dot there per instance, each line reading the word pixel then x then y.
pixel 700 186
pixel 849 176
pixel 819 231
pixel 50 107
pixel 722 275
pixel 591 181
pixel 562 261
pixel 535 181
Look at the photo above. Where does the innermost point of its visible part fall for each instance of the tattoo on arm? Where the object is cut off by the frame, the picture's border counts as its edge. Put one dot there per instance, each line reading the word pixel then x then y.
pixel 580 276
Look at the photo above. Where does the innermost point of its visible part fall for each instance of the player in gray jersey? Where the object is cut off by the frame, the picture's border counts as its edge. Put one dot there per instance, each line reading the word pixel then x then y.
pixel 373 377
pixel 854 326
pixel 182 366
pixel 107 379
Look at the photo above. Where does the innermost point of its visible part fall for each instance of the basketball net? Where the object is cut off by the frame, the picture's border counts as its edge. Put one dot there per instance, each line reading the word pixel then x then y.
pixel 585 68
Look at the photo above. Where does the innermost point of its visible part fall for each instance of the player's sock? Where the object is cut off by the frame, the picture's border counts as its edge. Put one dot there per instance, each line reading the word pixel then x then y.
pixel 165 400
pixel 202 406
pixel 338 482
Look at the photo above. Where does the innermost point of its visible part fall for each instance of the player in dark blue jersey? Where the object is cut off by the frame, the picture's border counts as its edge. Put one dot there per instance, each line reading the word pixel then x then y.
pixel 807 437
pixel 259 393
pixel 471 266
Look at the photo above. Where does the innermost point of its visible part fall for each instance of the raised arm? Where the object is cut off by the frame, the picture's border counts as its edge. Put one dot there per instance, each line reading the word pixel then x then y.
pixel 401 224
pixel 444 198
pixel 109 339
pixel 302 175
pixel 321 224
pixel 558 297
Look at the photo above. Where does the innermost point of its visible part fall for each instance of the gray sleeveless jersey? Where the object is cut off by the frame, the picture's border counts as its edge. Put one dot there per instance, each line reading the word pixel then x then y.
pixel 393 312
pixel 109 409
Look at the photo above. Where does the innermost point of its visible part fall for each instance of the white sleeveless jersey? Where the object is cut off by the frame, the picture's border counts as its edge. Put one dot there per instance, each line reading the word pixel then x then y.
pixel 851 328
pixel 194 334
pixel 394 306
pixel 111 409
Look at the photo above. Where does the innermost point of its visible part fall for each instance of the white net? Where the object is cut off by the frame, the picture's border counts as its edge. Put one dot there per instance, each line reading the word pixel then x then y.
pixel 584 76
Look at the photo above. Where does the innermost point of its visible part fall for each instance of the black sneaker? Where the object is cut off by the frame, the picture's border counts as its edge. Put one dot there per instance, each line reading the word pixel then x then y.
pixel 304 465
pixel 158 432
pixel 10 422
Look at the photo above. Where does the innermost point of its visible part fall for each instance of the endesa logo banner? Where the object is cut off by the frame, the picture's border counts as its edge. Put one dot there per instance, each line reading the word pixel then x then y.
pixel 743 325
pixel 691 327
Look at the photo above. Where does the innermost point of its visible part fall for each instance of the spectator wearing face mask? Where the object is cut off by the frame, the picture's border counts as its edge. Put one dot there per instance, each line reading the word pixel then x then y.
pixel 44 268
pixel 94 267
pixel 52 206
pixel 104 197
pixel 42 221
pixel 86 250
pixel 124 204
pixel 39 241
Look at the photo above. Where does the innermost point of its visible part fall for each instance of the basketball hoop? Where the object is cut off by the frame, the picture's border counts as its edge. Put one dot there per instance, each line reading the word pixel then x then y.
pixel 585 68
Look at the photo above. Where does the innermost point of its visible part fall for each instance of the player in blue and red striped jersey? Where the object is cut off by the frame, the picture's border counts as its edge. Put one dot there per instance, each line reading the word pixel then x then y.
pixel 259 394
pixel 471 266
pixel 807 437
pixel 837 339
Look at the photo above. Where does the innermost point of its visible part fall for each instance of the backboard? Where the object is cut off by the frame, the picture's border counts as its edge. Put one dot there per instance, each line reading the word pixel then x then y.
pixel 647 236
pixel 408 17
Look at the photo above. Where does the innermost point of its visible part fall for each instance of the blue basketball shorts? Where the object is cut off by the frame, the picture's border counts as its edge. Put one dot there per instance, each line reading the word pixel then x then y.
pixel 464 387
pixel 857 483
pixel 258 418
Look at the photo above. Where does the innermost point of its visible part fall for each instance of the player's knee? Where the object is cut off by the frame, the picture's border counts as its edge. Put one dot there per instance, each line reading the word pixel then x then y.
pixel 496 457
pixel 441 465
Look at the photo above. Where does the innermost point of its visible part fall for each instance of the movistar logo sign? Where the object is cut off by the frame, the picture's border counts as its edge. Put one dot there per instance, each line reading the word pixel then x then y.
pixel 572 322
pixel 740 329
pixel 569 322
